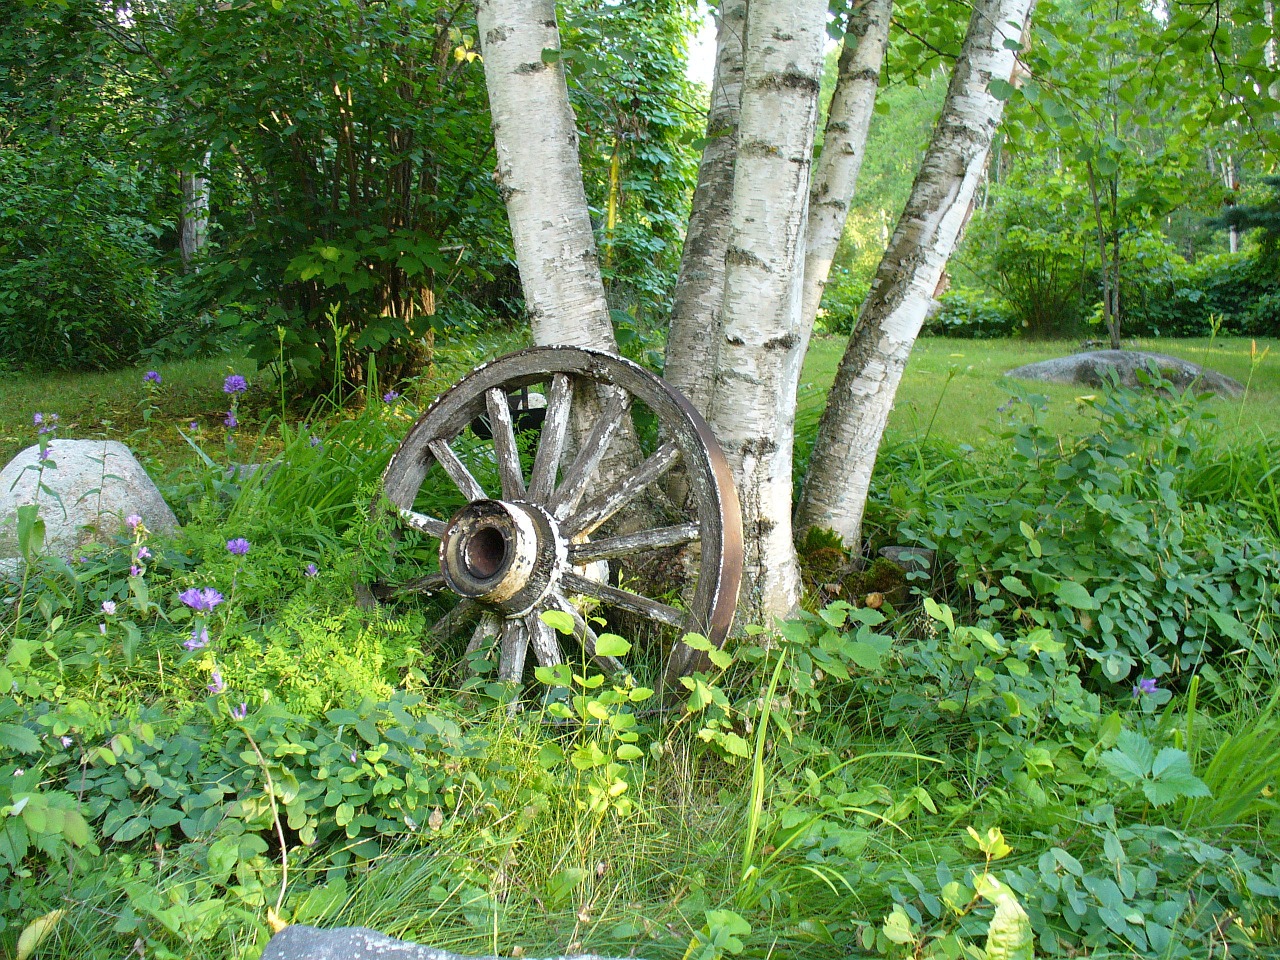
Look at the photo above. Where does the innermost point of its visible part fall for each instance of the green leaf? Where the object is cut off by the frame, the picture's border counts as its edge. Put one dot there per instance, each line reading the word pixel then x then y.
pixel 611 645
pixel 559 621
pixel 1001 89
pixel 629 751
pixel 18 738
pixel 1075 595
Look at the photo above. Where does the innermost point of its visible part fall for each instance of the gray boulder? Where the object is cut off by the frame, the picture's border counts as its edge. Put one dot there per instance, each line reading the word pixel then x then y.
pixel 1094 368
pixel 94 485
pixel 360 943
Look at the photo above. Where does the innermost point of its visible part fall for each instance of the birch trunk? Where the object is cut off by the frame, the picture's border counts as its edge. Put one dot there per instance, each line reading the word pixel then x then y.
pixel 693 337
pixel 843 147
pixel 193 218
pixel 539 175
pixel 753 407
pixel 852 426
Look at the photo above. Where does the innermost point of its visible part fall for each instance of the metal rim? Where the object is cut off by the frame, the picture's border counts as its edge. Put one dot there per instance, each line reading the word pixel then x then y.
pixel 524 545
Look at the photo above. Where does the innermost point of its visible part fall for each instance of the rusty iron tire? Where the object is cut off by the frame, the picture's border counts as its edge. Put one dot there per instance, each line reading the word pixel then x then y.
pixel 512 553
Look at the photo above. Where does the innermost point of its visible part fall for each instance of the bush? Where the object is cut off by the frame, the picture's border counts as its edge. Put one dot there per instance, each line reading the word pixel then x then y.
pixel 1095 541
pixel 841 302
pixel 970 316
pixel 78 284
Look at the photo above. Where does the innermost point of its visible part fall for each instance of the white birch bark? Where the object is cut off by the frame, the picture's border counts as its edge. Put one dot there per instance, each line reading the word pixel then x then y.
pixel 853 423
pixel 753 407
pixel 844 146
pixel 193 218
pixel 539 175
pixel 693 336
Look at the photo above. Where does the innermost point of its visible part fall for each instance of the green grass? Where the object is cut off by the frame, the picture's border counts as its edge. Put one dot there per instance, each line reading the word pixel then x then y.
pixel 963 380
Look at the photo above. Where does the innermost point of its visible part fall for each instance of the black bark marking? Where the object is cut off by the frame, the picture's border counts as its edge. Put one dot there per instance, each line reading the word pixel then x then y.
pixel 496 35
pixel 788 80
pixel 536 67
pixel 784 342
pixel 745 258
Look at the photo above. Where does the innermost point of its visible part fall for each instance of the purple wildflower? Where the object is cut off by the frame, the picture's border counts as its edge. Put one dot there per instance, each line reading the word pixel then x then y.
pixel 199 638
pixel 194 425
pixel 109 607
pixel 135 570
pixel 390 396
pixel 202 600
pixel 240 712
pixel 316 442
pixel 230 421
pixel 151 377
pixel 50 423
pixel 217 686
pixel 238 547
pixel 66 741
pixel 144 553
pixel 102 629
pixel 354 757
pixel 311 570
pixel 235 384
pixel 132 521
pixel 37 418
pixel 1145 687
pixel 45 454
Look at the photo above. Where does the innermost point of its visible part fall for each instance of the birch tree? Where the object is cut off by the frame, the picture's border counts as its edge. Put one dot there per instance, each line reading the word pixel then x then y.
pixel 844 145
pixel 852 425
pixel 193 219
pixel 540 176
pixel 753 404
pixel 692 336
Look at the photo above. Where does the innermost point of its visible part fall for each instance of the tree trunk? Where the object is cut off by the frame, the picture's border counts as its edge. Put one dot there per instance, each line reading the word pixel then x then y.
pixel 193 218
pixel 693 337
pixel 843 147
pixel 539 175
pixel 753 408
pixel 853 423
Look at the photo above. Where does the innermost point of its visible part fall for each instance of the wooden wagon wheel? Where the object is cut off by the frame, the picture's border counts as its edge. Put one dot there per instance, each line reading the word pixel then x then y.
pixel 521 542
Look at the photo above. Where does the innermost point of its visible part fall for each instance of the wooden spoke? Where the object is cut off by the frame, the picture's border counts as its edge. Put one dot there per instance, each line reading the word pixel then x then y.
pixel 422 523
pixel 622 492
pixel 504 443
pixel 456 470
pixel 611 547
pixel 546 461
pixel 582 630
pixel 653 609
pixel 486 628
pixel 543 640
pixel 514 646
pixel 431 583
pixel 575 481
pixel 444 627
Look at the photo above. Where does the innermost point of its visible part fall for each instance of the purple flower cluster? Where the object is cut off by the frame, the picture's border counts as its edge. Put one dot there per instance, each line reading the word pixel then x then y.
pixel 132 521
pixel 1145 687
pixel 235 384
pixel 238 547
pixel 151 376
pixel 202 600
pixel 311 570
pixel 390 396
pixel 199 638
pixel 109 607
pixel 240 712
pixel 217 686
pixel 47 424
pixel 230 421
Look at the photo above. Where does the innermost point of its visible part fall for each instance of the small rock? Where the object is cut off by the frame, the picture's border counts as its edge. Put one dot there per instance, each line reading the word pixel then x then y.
pixel 90 486
pixel 910 559
pixel 360 943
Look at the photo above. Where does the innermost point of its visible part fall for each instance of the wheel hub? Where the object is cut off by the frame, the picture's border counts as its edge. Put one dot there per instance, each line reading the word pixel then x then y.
pixel 504 554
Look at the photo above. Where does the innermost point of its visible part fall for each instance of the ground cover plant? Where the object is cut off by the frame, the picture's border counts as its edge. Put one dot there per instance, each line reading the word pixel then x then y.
pixel 1038 749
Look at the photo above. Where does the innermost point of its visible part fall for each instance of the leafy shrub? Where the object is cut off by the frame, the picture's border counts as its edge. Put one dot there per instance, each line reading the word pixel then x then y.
pixel 78 285
pixel 1095 542
pixel 842 299
pixel 970 316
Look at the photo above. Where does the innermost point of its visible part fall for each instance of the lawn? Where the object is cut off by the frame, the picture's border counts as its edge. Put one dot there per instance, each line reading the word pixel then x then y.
pixel 962 382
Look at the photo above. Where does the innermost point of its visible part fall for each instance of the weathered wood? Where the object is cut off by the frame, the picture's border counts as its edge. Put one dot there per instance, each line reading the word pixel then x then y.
pixel 504 443
pixel 456 469
pixel 574 484
pixel 488 627
pixel 431 583
pixel 515 644
pixel 622 492
pixel 543 640
pixel 421 522
pixel 546 461
pixel 444 627
pixel 633 543
pixel 653 609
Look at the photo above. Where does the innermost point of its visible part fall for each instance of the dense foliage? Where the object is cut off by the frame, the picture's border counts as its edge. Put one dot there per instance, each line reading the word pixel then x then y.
pixel 1019 751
